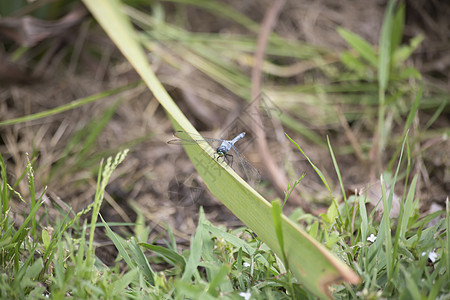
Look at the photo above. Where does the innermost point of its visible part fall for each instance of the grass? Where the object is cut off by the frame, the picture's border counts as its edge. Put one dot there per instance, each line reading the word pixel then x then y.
pixel 362 253
pixel 57 259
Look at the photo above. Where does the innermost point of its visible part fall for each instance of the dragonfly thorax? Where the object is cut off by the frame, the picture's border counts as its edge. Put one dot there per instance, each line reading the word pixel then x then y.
pixel 223 148
pixel 226 145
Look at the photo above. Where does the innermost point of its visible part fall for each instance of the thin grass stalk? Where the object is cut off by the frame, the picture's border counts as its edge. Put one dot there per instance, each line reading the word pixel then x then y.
pixel 5 197
pixel 384 63
pixel 447 216
pixel 32 198
pixel 341 183
pixel 71 105
pixel 409 120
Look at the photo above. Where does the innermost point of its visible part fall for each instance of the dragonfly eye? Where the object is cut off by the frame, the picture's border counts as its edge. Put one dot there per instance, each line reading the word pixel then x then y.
pixel 220 153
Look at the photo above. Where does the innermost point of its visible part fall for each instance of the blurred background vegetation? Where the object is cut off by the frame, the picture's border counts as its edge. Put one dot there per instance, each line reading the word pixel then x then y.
pixel 321 70
pixel 364 74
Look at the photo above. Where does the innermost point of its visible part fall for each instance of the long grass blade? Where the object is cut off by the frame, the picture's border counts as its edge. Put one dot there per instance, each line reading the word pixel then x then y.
pixel 310 262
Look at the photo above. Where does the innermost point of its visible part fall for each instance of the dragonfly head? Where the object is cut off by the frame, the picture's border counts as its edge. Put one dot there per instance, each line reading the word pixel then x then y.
pixel 222 150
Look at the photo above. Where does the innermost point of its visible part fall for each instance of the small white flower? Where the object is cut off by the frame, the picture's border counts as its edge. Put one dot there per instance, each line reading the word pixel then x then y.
pixel 372 238
pixel 432 256
pixel 245 295
pixel 246 264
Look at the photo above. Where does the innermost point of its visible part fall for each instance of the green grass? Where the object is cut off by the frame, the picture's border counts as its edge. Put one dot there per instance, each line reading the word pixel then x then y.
pixel 58 258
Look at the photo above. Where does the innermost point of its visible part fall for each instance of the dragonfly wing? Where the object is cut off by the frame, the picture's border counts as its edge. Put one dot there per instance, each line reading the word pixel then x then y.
pixel 181 142
pixel 185 138
pixel 253 175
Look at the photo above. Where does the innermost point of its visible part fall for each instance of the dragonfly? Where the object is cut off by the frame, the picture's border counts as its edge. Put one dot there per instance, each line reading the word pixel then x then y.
pixel 184 138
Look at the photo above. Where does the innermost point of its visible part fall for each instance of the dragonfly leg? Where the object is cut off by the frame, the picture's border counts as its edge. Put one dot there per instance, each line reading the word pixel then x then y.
pixel 226 159
pixel 230 163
